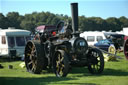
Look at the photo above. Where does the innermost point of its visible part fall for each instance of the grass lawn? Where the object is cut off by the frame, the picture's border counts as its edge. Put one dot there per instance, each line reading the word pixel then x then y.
pixel 115 73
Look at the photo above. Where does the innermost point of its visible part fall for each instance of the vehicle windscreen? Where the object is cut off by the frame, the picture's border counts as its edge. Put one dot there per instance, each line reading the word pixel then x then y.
pixel 20 41
pixel 11 42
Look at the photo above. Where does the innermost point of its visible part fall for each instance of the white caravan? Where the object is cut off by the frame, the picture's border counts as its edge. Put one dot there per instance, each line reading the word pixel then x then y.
pixel 12 42
pixel 93 37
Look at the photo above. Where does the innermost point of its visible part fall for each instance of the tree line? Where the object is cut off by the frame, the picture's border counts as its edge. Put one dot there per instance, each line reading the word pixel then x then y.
pixel 30 21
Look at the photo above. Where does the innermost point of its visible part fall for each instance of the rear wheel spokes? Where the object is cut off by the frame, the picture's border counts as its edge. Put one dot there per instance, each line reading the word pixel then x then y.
pixel 30 62
pixel 34 57
pixel 29 48
pixel 31 57
pixel 33 66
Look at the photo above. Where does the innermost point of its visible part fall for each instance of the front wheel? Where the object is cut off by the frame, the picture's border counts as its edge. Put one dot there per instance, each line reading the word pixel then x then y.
pixel 96 61
pixel 60 63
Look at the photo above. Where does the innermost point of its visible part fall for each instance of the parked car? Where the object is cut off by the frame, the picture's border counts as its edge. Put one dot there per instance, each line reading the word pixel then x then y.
pixel 106 45
pixel 118 38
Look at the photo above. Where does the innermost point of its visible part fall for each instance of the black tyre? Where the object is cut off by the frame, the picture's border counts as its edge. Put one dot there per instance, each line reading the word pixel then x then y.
pixel 60 63
pixel 34 57
pixel 96 61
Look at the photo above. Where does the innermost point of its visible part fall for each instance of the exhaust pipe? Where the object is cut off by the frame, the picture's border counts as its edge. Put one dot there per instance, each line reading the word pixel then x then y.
pixel 74 10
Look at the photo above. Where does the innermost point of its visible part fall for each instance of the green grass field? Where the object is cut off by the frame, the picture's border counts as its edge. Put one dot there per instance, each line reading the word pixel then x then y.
pixel 115 73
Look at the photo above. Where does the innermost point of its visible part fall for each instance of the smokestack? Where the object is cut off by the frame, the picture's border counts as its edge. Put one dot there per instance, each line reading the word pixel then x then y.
pixel 74 10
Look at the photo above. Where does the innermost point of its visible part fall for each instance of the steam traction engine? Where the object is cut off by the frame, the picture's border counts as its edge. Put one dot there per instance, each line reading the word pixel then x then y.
pixel 61 48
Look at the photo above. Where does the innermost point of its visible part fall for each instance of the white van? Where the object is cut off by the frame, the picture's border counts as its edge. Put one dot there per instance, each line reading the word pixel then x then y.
pixel 12 42
pixel 93 37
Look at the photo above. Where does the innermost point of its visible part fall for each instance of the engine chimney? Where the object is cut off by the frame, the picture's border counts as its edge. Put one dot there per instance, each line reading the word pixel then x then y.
pixel 74 10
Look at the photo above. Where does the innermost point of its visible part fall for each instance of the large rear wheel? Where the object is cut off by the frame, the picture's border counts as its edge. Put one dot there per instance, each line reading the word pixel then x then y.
pixel 96 61
pixel 34 57
pixel 126 49
pixel 60 63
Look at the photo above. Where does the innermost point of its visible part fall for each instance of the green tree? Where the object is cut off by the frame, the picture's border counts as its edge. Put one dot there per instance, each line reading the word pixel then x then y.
pixel 114 24
pixel 124 21
pixel 14 20
pixel 3 21
pixel 30 21
pixel 28 25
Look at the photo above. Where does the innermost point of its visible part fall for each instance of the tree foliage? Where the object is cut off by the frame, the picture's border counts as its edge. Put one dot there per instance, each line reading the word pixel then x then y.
pixel 30 21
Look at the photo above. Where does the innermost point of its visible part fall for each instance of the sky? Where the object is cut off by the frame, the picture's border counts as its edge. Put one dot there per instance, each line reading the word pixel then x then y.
pixel 88 8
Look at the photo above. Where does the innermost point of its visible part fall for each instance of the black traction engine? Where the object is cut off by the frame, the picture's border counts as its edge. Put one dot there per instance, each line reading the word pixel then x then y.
pixel 62 48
